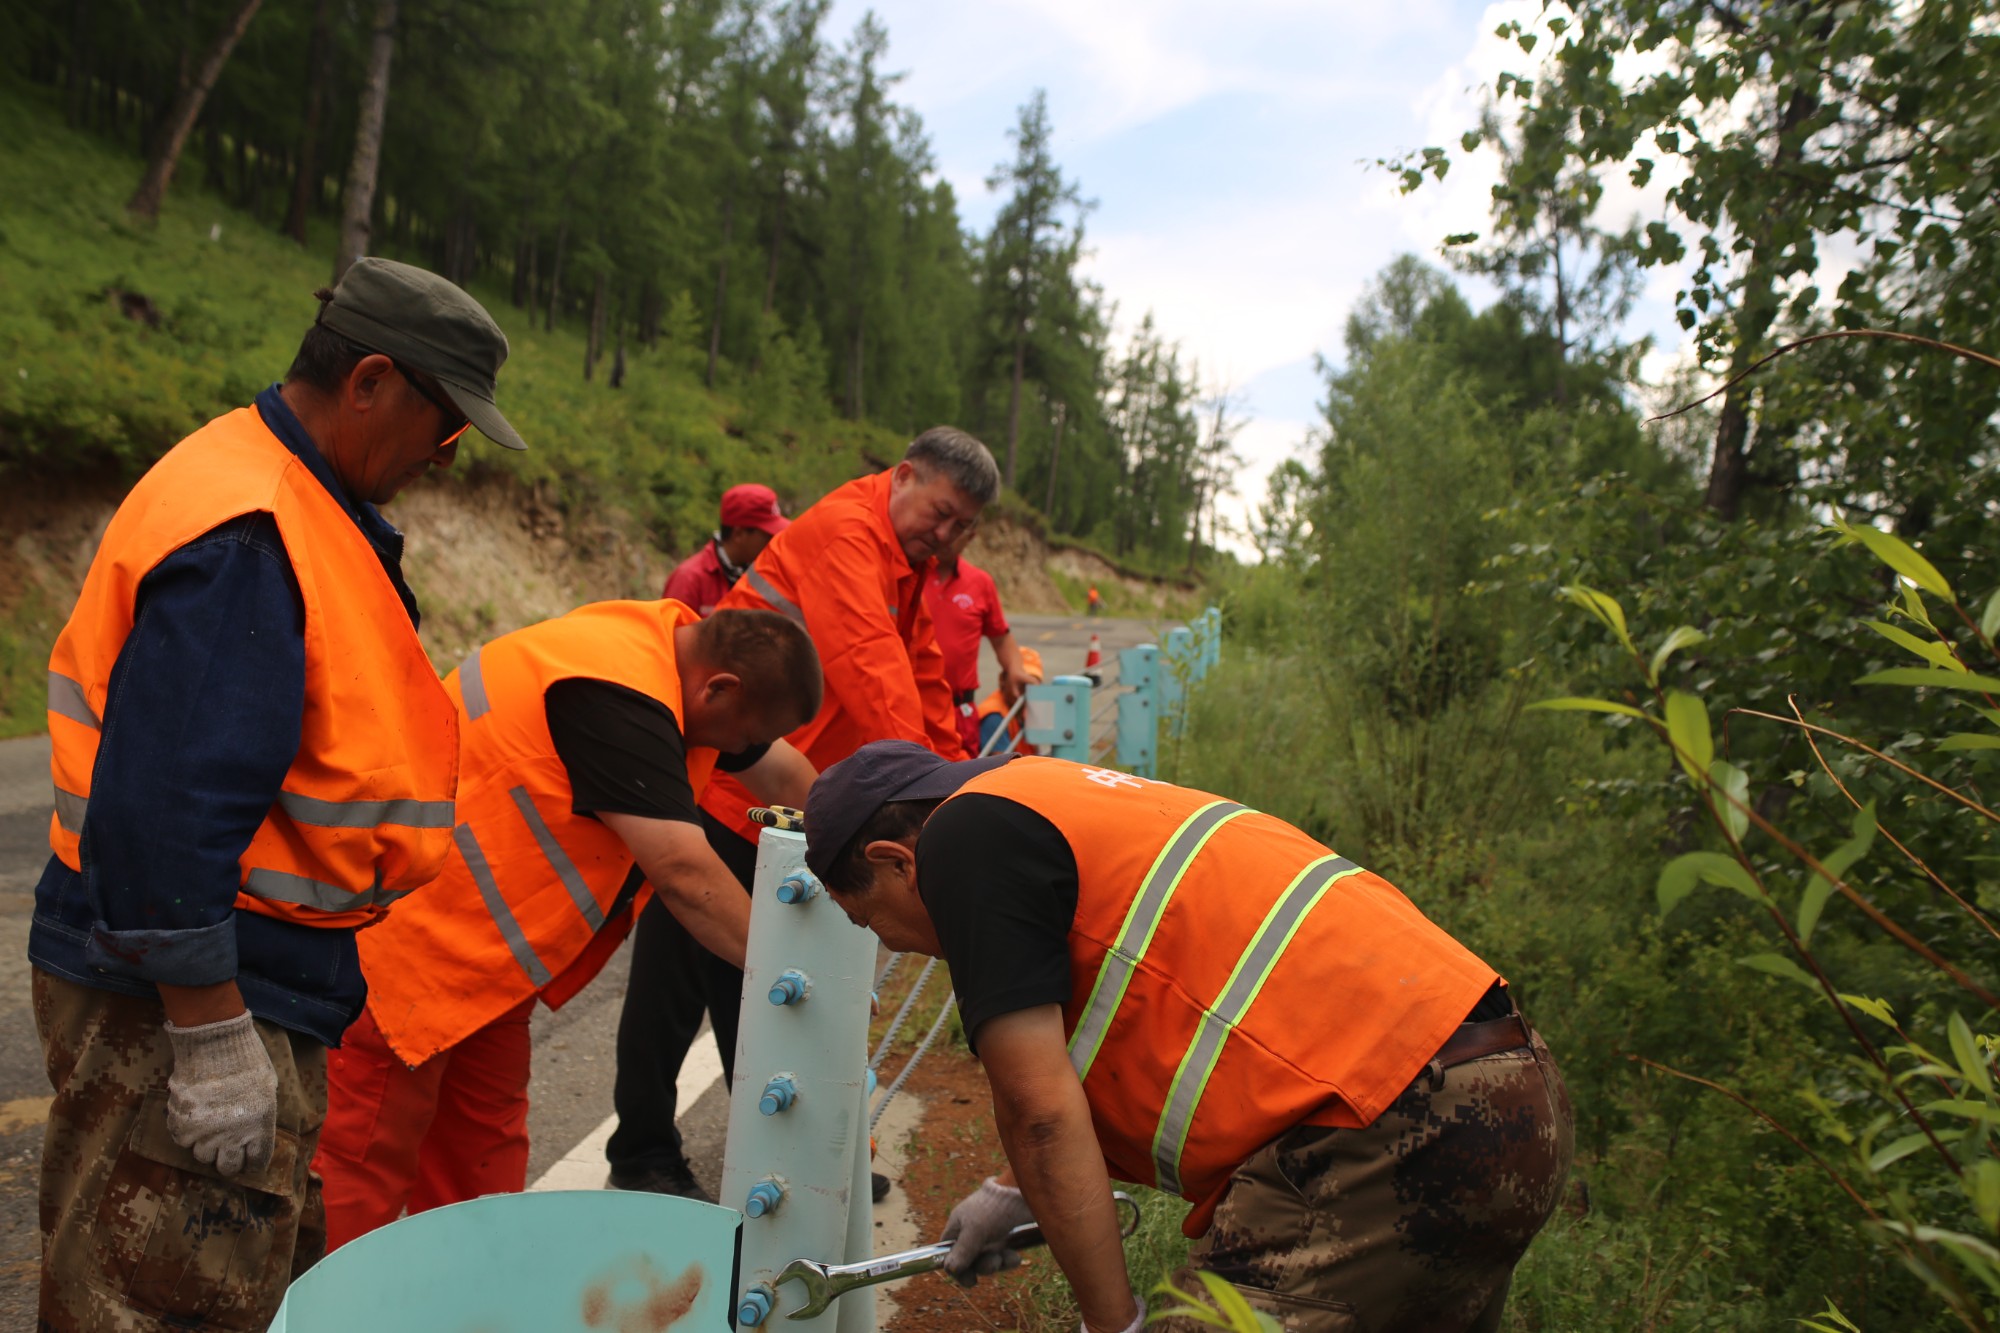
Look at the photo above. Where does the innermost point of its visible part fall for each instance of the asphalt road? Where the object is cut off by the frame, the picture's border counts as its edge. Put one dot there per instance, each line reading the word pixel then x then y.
pixel 574 1059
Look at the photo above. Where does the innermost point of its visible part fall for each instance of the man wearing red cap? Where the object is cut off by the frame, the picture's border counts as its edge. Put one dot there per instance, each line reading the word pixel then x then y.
pixel 750 518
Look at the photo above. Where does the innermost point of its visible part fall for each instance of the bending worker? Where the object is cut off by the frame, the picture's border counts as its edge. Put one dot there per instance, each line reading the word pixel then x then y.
pixel 996 711
pixel 252 758
pixel 1169 987
pixel 851 570
pixel 750 518
pixel 965 606
pixel 585 742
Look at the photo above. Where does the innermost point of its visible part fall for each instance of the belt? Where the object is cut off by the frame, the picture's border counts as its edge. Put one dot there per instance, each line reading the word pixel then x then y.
pixel 964 697
pixel 1476 1041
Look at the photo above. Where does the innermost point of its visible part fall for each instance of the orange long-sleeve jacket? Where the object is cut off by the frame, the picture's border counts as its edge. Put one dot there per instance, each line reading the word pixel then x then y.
pixel 839 571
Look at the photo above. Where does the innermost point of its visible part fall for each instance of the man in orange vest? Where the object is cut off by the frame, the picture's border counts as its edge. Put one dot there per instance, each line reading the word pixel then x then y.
pixel 585 740
pixel 994 709
pixel 851 569
pixel 1167 987
pixel 252 758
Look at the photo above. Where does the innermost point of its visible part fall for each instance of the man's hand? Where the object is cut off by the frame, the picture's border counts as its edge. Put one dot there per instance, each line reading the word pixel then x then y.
pixel 222 1098
pixel 978 1229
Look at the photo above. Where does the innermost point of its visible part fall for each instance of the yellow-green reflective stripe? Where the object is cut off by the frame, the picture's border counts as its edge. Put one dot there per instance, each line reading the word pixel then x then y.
pixel 70 810
pixel 472 688
pixel 558 859
pixel 1141 920
pixel 496 906
pixel 779 602
pixel 1245 983
pixel 67 699
pixel 279 886
pixel 405 811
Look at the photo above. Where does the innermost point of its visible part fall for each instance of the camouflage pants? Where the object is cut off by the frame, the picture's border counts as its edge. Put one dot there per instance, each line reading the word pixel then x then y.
pixel 1413 1223
pixel 137 1236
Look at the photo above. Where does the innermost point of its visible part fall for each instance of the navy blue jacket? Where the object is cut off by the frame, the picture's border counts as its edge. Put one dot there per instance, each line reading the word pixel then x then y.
pixel 200 727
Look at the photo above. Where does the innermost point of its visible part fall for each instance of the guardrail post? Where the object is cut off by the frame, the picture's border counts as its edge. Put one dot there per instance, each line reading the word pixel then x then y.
pixel 797 1117
pixel 1212 636
pixel 1177 672
pixel 1058 717
pixel 1139 709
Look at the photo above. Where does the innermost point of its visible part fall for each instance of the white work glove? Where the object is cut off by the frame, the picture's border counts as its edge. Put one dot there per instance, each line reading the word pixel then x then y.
pixel 978 1229
pixel 1138 1320
pixel 222 1098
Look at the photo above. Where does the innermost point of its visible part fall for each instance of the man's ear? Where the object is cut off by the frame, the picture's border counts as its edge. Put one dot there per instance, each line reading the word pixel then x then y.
pixel 365 381
pixel 718 688
pixel 887 853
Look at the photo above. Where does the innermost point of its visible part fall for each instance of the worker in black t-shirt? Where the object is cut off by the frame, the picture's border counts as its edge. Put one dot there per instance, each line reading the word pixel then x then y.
pixel 584 741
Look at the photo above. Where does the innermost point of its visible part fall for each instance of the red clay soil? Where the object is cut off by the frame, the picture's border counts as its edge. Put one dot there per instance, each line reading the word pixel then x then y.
pixel 953 1148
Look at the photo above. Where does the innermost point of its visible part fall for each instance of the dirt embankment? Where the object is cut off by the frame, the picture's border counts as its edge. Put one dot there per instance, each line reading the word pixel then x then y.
pixel 484 556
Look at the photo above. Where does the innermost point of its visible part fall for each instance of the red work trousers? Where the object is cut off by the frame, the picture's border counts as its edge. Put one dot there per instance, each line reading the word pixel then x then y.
pixel 452 1129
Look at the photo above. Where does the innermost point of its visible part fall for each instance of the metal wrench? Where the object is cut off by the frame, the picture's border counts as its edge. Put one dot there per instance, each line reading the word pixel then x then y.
pixel 826 1283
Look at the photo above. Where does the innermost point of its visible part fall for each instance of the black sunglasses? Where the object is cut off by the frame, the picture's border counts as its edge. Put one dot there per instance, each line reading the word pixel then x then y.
pixel 449 410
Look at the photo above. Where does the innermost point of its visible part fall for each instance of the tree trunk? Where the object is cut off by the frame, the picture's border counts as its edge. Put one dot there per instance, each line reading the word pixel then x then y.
pixel 319 67
pixel 79 63
pixel 721 286
pixel 145 201
pixel 525 277
pixel 1014 402
pixel 854 402
pixel 1055 460
pixel 777 244
pixel 618 357
pixel 555 274
pixel 594 340
pixel 366 165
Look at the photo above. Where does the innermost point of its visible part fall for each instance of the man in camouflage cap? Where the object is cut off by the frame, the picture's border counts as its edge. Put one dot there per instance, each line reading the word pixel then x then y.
pixel 1165 986
pixel 252 757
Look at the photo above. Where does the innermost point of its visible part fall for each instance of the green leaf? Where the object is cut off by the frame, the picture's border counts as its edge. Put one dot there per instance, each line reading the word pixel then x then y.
pixel 1898 555
pixel 1712 868
pixel 1677 881
pixel 1687 728
pixel 1605 608
pixel 1576 705
pixel 1836 864
pixel 1966 1108
pixel 1913 606
pixel 1983 1184
pixel 1890 1153
pixel 1686 636
pixel 1989 619
pixel 1941 680
pixel 1971 1060
pixel 1840 1322
pixel 1780 966
pixel 1878 1010
pixel 1969 740
pixel 1731 781
pixel 1930 650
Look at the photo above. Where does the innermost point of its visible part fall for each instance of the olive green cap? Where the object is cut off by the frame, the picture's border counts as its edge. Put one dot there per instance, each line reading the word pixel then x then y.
pixel 427 323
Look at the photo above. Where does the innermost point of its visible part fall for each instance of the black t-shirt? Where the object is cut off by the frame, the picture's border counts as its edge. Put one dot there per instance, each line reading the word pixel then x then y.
pixel 1000 884
pixel 624 751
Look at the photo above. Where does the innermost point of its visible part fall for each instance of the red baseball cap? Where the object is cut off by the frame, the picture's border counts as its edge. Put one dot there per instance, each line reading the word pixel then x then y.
pixel 753 506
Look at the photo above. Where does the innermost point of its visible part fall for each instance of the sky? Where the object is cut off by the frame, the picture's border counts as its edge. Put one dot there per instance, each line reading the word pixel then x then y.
pixel 1230 150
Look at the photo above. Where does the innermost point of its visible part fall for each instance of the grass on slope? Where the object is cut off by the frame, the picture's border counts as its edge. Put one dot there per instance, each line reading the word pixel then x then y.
pixel 82 385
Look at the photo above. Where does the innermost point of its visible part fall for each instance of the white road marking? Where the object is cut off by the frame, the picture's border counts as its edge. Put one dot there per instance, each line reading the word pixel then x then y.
pixel 584 1168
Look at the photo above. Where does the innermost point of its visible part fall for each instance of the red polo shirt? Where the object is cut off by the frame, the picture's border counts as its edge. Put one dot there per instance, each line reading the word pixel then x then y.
pixel 700 580
pixel 965 607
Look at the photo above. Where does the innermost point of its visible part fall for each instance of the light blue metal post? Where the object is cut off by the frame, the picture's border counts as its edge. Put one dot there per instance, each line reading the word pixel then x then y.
pixel 1212 636
pixel 1058 717
pixel 1139 709
pixel 798 1128
pixel 1176 674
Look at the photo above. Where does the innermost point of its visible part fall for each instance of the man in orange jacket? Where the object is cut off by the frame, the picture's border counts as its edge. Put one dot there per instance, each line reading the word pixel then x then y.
pixel 1171 988
pixel 252 759
pixel 586 740
pixel 851 569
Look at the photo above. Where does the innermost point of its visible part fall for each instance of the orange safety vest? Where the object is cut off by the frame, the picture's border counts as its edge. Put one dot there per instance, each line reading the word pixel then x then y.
pixel 365 812
pixel 525 903
pixel 839 571
pixel 1231 978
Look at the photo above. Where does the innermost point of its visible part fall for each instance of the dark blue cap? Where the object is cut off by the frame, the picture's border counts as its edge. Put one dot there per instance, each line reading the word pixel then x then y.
pixel 847 795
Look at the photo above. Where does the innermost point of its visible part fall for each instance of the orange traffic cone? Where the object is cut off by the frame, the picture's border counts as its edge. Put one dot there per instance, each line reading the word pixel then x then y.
pixel 1093 662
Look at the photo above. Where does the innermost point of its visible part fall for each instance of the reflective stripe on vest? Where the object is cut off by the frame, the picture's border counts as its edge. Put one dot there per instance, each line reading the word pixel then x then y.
pixel 278 886
pixel 1252 970
pixel 1141 920
pixel 503 915
pixel 558 859
pixel 70 809
pixel 407 811
pixel 67 699
pixel 472 688
pixel 779 602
